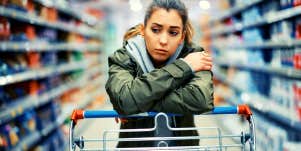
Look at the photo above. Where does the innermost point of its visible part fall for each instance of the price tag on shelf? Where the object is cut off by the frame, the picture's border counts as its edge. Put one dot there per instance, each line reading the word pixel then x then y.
pixel 20 110
pixel 14 14
pixel 24 147
pixel 15 46
pixel 13 113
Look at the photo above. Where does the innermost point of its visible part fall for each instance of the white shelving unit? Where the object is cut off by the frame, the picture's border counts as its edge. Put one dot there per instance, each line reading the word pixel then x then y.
pixel 65 7
pixel 227 68
pixel 268 19
pixel 91 68
pixel 42 46
pixel 266 44
pixel 34 19
pixel 283 71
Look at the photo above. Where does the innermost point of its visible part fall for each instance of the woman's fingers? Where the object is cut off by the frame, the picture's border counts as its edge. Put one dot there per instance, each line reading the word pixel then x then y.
pixel 206 56
pixel 199 61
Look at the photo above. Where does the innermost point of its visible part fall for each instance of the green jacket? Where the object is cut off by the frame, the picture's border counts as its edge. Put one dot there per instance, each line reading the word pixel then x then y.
pixel 173 88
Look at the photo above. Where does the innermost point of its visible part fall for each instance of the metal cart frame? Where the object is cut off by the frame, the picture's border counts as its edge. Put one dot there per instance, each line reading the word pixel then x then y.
pixel 162 145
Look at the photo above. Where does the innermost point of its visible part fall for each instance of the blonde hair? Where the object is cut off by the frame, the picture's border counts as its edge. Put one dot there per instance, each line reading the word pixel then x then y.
pixel 132 32
pixel 189 32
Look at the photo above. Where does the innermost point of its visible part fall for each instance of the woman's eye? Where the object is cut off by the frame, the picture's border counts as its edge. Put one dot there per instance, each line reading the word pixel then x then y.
pixel 173 33
pixel 155 30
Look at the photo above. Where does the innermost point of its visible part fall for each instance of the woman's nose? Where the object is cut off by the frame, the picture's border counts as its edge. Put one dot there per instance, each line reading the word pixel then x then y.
pixel 163 39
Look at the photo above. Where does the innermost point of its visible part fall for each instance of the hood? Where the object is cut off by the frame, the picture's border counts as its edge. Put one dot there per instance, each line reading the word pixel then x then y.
pixel 136 47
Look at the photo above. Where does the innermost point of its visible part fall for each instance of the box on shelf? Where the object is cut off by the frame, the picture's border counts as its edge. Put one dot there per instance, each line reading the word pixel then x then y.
pixel 297 3
pixel 4 29
pixel 49 13
pixel 30 32
pixel 298 28
pixel 33 59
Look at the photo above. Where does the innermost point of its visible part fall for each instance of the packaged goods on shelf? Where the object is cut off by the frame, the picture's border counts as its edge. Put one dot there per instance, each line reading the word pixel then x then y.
pixel 287 56
pixel 252 35
pixel 269 136
pixel 9 136
pixel 298 28
pixel 297 3
pixel 282 31
pixel 297 58
pixel 49 58
pixel 43 65
pixel 19 5
pixel 4 28
pixel 267 43
pixel 27 123
pixel 270 8
pixel 14 131
pixel 291 146
pixel 12 63
pixel 285 4
pixel 46 115
pixel 54 142
pixel 297 99
pixel 282 96
pixel 14 92
pixel 49 35
pixel 48 13
pixel 251 15
pixel 34 59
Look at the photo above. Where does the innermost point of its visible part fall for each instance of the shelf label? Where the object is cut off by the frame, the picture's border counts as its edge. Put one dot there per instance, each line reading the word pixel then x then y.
pixel 13 113
pixel 24 147
pixel 15 46
pixel 14 14
pixel 20 110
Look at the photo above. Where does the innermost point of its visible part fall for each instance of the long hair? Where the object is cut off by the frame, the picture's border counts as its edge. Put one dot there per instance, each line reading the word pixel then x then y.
pixel 165 4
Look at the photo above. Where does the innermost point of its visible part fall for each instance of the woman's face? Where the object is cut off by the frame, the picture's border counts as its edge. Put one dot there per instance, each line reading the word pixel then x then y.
pixel 163 33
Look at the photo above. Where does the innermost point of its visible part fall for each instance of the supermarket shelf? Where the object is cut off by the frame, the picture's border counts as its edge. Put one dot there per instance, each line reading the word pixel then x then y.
pixel 41 72
pixel 68 110
pixel 267 19
pixel 29 102
pixel 235 10
pixel 267 44
pixel 65 8
pixel 281 71
pixel 33 19
pixel 96 70
pixel 27 142
pixel 262 104
pixel 45 46
pixel 23 104
pixel 236 27
pixel 282 15
pixel 223 78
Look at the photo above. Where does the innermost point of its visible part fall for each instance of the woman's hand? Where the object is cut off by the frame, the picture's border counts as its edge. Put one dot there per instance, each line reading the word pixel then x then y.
pixel 199 61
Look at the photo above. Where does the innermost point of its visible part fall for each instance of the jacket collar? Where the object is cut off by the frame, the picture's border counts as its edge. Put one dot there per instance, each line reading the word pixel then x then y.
pixel 136 47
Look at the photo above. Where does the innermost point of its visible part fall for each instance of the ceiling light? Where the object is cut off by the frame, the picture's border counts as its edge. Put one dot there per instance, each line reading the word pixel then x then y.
pixel 204 4
pixel 135 5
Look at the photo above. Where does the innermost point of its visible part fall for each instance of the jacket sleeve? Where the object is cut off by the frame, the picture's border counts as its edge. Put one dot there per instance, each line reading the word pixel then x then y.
pixel 194 97
pixel 130 94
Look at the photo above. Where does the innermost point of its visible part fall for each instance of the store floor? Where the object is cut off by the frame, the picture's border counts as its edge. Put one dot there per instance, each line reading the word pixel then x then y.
pixel 93 128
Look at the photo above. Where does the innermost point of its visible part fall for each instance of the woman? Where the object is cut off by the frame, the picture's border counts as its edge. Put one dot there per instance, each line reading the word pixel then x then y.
pixel 159 69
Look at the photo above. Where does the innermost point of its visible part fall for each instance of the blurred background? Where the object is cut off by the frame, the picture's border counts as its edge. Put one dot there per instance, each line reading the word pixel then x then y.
pixel 53 59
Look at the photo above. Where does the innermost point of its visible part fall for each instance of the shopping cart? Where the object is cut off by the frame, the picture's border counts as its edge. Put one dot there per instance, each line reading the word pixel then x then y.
pixel 247 139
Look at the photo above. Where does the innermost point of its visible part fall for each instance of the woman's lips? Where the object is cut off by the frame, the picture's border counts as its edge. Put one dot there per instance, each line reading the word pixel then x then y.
pixel 161 51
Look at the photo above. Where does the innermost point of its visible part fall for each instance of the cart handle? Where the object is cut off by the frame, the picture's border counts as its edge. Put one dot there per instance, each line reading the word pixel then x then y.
pixel 81 114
